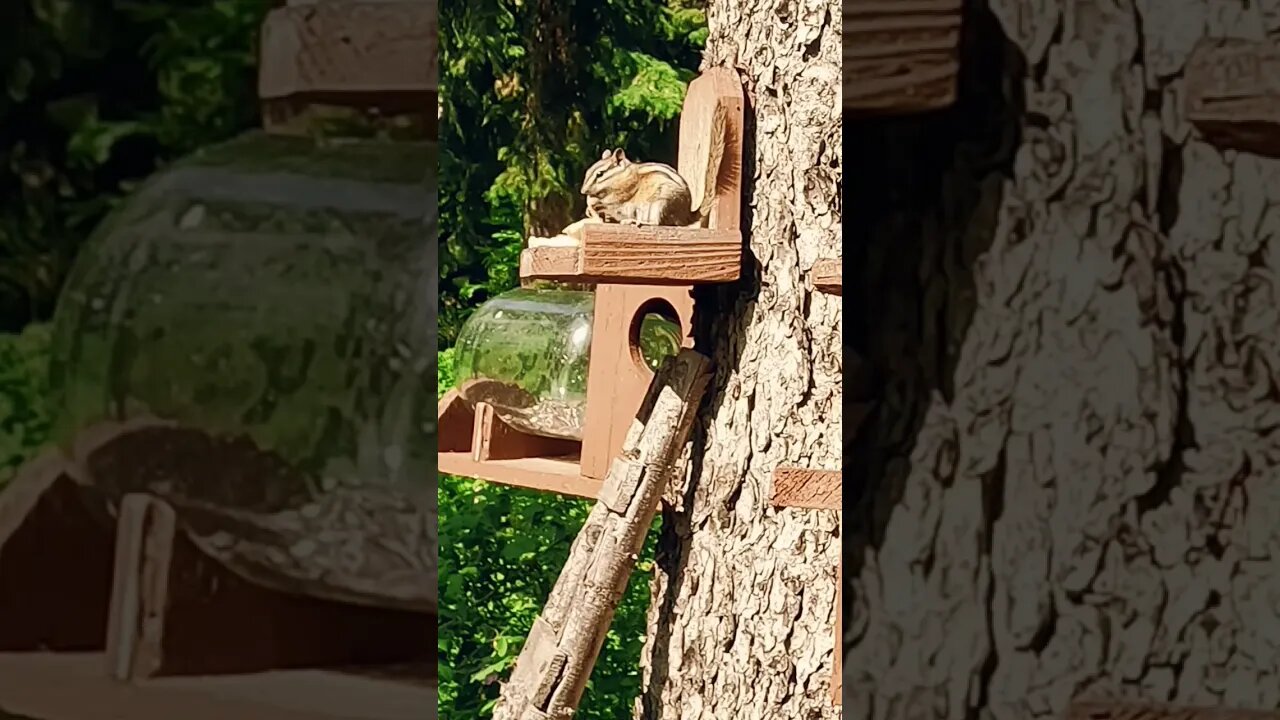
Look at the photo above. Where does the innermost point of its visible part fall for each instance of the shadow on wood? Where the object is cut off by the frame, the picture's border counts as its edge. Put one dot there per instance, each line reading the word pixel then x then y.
pixel 175 611
pixel 55 561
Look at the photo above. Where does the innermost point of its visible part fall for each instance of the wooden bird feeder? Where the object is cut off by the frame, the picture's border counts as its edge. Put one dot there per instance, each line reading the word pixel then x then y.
pixel 900 56
pixel 1233 94
pixel 636 270
pixel 88 632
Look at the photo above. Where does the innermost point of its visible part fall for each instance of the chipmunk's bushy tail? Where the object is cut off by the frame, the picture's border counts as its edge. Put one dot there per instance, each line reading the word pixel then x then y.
pixel 715 158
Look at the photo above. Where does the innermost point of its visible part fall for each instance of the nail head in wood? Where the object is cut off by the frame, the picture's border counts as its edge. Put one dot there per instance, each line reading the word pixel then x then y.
pixel 1233 94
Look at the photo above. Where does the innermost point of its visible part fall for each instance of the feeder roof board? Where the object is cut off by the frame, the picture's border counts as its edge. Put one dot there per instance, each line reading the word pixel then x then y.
pixel 900 56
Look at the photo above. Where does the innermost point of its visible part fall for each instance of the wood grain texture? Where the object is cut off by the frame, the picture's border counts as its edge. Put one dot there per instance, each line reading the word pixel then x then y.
pixel 1233 94
pixel 900 56
pixel 803 488
pixel 381 52
pixel 145 533
pixel 650 255
pixel 1121 710
pixel 827 277
pixel 558 475
pixel 455 424
pixel 62 686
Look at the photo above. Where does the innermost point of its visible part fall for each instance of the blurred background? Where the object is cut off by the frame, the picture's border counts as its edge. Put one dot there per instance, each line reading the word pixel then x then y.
pixel 97 95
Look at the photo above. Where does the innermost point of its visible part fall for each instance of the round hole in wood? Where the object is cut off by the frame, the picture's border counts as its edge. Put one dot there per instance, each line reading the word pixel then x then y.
pixel 655 334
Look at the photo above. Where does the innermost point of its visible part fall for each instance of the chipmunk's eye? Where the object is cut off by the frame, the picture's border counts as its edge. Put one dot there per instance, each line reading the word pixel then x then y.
pixel 599 174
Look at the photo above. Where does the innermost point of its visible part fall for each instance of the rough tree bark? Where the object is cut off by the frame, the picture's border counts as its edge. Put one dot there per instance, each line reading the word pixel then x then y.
pixel 743 609
pixel 1068 301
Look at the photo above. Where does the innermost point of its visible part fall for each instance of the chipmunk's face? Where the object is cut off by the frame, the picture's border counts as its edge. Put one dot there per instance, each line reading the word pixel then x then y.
pixel 610 164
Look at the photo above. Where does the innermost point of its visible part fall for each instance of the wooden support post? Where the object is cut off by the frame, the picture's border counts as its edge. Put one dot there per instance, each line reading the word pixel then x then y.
pixel 175 611
pixel 556 661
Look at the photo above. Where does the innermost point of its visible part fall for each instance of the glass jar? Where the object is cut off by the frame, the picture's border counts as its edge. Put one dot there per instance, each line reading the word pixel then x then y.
pixel 526 353
pixel 274 300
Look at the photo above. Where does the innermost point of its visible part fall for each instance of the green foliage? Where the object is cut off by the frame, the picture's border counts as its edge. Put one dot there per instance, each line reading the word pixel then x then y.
pixel 24 380
pixel 95 95
pixel 531 93
pixel 501 550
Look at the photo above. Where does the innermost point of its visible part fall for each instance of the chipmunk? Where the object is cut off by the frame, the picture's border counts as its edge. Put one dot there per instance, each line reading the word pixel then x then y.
pixel 652 193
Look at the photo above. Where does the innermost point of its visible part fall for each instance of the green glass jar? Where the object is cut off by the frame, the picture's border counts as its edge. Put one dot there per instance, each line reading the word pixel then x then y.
pixel 273 299
pixel 526 352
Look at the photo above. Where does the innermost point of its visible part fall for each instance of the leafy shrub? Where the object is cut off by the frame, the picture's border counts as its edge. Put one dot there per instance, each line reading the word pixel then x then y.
pixel 94 96
pixel 501 551
pixel 24 379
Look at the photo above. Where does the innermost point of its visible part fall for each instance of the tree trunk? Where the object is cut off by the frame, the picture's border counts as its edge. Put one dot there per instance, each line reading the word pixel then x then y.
pixel 742 618
pixel 1068 303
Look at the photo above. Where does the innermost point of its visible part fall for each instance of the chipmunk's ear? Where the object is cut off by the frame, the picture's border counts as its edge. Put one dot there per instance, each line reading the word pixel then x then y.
pixel 619 156
pixel 606 154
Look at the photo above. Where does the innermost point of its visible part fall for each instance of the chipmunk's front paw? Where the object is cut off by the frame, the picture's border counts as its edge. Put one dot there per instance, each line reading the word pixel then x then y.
pixel 630 221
